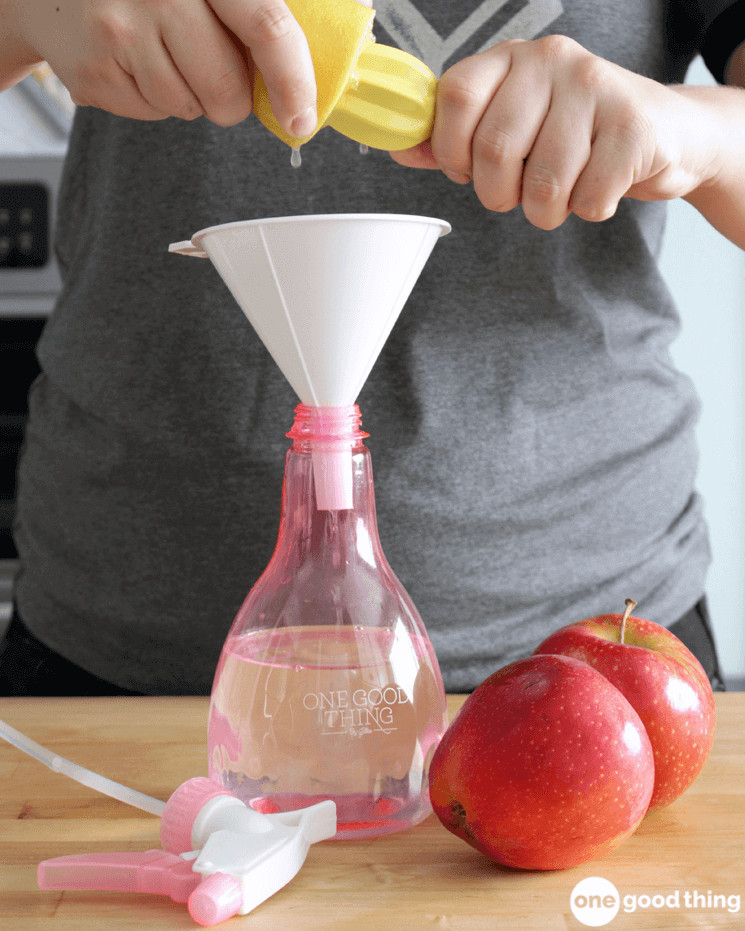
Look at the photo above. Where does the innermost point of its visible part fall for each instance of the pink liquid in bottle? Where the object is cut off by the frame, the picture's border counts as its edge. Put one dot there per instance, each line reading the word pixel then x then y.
pixel 327 685
pixel 344 713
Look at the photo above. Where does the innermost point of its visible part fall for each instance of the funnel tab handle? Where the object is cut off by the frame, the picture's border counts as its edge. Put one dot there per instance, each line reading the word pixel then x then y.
pixel 187 247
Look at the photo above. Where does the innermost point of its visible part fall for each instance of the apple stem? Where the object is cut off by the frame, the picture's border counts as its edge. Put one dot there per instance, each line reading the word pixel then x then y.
pixel 630 605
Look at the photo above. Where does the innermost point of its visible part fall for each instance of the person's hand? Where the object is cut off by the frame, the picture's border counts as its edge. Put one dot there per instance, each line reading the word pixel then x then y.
pixel 149 59
pixel 547 125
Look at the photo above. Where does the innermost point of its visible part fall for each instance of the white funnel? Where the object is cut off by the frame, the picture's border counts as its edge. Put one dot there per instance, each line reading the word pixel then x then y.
pixel 322 292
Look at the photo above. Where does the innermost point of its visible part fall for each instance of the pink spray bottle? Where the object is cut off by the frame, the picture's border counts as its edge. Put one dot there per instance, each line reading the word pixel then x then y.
pixel 327 686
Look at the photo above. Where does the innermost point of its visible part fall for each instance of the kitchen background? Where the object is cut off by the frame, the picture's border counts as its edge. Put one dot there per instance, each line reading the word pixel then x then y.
pixel 705 272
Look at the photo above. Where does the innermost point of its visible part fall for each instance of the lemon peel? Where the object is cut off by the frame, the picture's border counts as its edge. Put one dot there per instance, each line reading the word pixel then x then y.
pixel 379 96
pixel 336 31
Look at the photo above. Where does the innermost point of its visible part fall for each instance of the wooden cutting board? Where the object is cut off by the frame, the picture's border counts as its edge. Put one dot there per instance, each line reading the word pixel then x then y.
pixel 692 852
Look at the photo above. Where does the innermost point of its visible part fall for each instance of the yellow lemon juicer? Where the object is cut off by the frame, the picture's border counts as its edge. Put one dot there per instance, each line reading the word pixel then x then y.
pixel 374 94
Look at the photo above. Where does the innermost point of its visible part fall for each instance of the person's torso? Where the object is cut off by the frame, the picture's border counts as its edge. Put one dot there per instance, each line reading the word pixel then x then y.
pixel 532 442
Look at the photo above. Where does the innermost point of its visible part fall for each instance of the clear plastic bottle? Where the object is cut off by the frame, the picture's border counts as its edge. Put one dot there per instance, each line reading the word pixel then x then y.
pixel 328 686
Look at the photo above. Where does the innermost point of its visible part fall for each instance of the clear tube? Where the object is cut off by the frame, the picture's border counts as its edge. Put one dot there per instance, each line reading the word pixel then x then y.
pixel 80 774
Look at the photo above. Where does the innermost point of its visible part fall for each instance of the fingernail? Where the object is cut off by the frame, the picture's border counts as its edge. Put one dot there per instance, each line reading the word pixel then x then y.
pixel 304 124
pixel 457 177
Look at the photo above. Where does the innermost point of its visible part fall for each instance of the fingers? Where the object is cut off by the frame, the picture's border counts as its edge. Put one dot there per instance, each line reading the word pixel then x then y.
pixel 214 79
pixel 621 153
pixel 557 158
pixel 152 60
pixel 150 73
pixel 419 156
pixel 112 89
pixel 515 129
pixel 280 51
pixel 94 53
pixel 148 59
pixel 212 48
pixel 548 126
pixel 507 134
pixel 464 93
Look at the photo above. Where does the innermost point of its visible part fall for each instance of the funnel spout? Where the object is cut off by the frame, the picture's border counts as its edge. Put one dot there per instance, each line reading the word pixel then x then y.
pixel 331 434
pixel 332 478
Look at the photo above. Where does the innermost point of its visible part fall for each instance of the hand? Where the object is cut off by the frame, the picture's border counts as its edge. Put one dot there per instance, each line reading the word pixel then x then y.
pixel 549 126
pixel 149 59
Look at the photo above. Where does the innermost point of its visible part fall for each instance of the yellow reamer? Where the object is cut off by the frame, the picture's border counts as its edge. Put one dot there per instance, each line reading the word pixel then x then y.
pixel 377 95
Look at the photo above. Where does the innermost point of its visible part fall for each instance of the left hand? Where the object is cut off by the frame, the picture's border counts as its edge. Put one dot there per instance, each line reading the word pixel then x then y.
pixel 549 126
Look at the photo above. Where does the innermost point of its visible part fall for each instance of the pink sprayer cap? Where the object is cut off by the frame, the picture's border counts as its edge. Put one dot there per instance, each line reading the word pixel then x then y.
pixel 182 809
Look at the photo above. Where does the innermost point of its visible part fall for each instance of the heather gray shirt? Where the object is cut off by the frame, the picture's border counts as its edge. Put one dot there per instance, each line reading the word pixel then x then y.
pixel 533 445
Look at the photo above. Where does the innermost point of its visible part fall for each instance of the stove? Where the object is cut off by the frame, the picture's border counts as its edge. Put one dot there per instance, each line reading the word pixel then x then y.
pixel 35 121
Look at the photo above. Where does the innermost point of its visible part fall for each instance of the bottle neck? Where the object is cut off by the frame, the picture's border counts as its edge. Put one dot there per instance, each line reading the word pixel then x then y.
pixel 332 436
pixel 328 501
pixel 316 424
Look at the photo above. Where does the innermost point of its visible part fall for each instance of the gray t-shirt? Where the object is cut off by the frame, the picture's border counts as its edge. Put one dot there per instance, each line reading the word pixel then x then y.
pixel 533 445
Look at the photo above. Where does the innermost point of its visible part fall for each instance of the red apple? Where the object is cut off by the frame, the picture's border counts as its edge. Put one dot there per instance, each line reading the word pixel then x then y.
pixel 545 766
pixel 664 682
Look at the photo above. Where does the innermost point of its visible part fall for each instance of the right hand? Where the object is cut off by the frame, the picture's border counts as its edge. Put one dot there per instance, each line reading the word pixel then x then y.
pixel 548 126
pixel 150 59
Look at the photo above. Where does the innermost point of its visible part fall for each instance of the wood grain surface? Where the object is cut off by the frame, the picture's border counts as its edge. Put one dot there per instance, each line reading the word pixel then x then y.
pixel 417 879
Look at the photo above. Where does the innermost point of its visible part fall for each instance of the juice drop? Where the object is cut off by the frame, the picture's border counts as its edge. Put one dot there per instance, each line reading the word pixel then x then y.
pixel 363 149
pixel 295 159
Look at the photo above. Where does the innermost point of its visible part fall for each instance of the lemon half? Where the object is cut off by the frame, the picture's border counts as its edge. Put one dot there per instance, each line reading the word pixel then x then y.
pixel 337 31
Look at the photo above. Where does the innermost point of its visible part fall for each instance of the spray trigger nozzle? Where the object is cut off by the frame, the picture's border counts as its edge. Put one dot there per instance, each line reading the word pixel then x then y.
pixel 221 857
